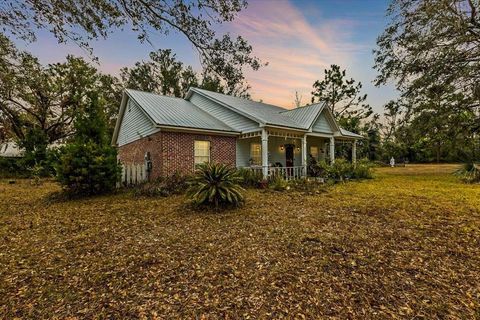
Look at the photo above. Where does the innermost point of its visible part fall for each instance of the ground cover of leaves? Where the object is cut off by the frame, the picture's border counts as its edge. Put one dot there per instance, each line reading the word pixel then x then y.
pixel 403 245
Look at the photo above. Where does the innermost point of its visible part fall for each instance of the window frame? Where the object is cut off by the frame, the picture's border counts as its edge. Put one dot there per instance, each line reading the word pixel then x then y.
pixel 317 154
pixel 259 156
pixel 197 156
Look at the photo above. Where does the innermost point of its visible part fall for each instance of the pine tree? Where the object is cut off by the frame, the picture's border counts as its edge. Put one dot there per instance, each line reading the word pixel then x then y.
pixel 88 164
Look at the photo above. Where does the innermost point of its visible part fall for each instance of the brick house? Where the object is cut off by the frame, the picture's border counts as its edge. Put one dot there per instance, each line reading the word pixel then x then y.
pixel 175 134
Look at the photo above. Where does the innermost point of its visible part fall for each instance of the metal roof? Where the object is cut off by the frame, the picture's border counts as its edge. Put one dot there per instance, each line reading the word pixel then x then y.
pixel 347 133
pixel 176 112
pixel 306 115
pixel 259 111
pixel 181 113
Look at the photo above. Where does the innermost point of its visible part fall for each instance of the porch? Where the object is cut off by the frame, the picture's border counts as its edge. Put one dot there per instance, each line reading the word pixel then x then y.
pixel 286 152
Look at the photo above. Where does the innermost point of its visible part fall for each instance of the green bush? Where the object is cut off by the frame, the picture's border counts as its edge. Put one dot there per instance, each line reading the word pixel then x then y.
pixel 469 173
pixel 250 178
pixel 163 187
pixel 316 169
pixel 340 170
pixel 88 169
pixel 278 183
pixel 363 169
pixel 216 185
pixel 12 168
pixel 88 163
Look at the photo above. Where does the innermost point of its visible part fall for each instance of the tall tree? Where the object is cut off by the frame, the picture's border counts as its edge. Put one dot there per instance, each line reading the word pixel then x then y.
pixel 343 97
pixel 37 98
pixel 431 43
pixel 83 21
pixel 164 74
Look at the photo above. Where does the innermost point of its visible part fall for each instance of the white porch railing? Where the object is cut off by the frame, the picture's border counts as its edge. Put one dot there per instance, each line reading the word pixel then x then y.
pixel 287 173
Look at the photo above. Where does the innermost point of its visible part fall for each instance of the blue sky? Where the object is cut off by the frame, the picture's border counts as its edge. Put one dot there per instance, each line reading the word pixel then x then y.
pixel 298 38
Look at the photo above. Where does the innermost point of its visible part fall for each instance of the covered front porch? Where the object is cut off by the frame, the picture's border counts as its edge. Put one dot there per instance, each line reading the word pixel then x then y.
pixel 287 153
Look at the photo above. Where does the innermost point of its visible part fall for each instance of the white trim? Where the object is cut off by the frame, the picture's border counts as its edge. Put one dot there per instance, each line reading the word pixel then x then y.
pixel 284 128
pixel 265 153
pixel 250 135
pixel 321 135
pixel 332 149
pixel 119 119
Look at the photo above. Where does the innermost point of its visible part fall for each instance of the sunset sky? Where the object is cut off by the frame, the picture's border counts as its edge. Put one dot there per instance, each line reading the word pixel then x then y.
pixel 298 39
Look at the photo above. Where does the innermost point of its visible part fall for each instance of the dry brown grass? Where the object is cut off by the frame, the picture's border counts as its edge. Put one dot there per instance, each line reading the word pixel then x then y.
pixel 404 245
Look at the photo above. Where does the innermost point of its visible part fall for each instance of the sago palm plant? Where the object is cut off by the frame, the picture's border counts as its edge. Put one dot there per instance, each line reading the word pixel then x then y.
pixel 469 173
pixel 217 185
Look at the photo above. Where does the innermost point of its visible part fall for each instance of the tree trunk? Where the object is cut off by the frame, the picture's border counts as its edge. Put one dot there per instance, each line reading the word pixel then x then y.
pixel 438 152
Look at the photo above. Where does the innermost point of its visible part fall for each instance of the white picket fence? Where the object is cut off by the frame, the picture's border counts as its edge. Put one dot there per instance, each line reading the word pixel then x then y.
pixel 133 174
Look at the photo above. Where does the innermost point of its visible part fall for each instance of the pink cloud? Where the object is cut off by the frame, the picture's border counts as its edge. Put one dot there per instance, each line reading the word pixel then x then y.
pixel 296 50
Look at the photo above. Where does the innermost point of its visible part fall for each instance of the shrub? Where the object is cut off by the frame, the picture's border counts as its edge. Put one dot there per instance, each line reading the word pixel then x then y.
pixel 217 185
pixel 88 164
pixel 340 170
pixel 163 187
pixel 316 169
pixel 250 178
pixel 12 168
pixel 88 169
pixel 278 183
pixel 36 174
pixel 363 169
pixel 469 173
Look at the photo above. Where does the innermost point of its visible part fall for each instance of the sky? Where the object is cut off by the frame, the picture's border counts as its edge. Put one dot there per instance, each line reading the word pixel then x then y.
pixel 298 39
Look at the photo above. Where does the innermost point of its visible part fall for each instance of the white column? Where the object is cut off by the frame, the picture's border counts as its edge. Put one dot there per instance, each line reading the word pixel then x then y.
pixel 265 153
pixel 354 152
pixel 332 149
pixel 304 154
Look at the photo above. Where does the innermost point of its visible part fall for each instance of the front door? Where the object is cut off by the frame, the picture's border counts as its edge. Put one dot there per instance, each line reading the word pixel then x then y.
pixel 289 149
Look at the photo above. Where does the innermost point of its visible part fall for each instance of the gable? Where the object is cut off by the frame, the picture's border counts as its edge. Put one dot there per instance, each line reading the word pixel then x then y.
pixel 305 116
pixel 231 118
pixel 134 125
pixel 322 124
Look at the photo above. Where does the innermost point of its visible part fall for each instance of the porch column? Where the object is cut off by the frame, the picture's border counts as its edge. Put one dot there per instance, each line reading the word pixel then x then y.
pixel 265 153
pixel 332 149
pixel 354 152
pixel 304 154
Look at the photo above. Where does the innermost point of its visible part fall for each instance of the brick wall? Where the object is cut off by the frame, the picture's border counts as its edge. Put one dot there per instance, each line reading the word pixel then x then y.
pixel 171 151
pixel 134 152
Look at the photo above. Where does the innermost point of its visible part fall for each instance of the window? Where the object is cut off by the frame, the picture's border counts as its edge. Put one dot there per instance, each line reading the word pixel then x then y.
pixel 202 151
pixel 256 153
pixel 314 152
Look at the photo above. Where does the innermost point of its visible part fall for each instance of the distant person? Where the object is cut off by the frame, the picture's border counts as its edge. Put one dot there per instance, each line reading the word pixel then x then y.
pixel 392 162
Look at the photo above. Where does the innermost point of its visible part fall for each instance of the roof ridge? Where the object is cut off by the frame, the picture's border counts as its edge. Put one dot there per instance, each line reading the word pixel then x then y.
pixel 156 94
pixel 240 98
pixel 301 107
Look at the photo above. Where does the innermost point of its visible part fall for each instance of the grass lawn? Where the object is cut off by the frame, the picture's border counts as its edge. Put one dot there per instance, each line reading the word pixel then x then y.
pixel 405 245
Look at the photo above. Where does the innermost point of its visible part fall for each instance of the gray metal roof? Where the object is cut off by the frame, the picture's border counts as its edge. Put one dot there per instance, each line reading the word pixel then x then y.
pixel 306 115
pixel 259 111
pixel 347 133
pixel 176 112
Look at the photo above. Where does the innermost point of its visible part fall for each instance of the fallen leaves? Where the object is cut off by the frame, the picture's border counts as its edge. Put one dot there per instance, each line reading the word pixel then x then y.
pixel 406 244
